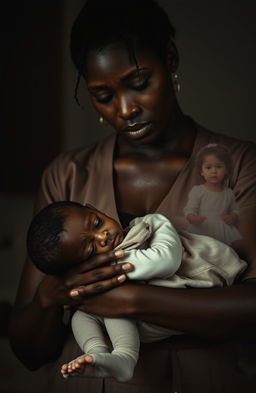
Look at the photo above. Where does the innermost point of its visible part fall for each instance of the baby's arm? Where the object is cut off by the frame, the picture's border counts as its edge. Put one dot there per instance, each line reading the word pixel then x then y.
pixel 163 257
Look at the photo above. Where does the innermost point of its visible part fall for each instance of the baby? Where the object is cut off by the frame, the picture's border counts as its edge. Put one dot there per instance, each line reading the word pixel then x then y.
pixel 66 233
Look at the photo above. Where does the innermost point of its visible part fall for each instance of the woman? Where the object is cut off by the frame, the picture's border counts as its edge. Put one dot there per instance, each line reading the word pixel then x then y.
pixel 125 52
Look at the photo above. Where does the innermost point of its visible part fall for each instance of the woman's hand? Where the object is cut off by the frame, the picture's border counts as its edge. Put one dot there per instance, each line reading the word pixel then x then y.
pixel 93 276
pixel 115 303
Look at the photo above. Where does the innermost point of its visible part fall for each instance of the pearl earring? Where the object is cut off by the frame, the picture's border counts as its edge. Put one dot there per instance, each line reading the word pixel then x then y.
pixel 176 82
pixel 103 121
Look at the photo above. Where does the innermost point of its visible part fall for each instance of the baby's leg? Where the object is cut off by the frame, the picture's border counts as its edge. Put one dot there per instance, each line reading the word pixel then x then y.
pixel 97 360
pixel 125 340
pixel 88 333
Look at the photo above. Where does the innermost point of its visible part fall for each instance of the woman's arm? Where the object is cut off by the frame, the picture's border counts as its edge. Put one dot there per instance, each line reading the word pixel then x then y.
pixel 36 330
pixel 215 313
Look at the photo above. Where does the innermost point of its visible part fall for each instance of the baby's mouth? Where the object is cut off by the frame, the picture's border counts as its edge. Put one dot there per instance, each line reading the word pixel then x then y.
pixel 118 238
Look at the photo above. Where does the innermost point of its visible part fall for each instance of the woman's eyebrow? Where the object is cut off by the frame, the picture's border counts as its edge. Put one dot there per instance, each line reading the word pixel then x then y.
pixel 97 88
pixel 134 73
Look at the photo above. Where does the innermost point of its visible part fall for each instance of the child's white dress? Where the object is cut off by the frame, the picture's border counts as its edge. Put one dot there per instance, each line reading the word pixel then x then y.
pixel 213 205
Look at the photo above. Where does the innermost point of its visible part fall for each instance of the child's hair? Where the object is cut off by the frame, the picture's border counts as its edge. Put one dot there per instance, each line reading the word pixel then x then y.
pixel 220 151
pixel 45 236
pixel 103 22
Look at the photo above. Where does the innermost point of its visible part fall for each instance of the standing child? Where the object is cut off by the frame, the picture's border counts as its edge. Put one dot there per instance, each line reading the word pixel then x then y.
pixel 211 208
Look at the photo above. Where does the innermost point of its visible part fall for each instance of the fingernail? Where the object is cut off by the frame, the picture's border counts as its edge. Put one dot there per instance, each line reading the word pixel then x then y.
pixel 127 266
pixel 121 278
pixel 119 253
pixel 74 293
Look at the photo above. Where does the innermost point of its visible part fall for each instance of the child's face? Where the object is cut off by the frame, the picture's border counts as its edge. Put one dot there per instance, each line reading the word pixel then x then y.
pixel 89 232
pixel 214 171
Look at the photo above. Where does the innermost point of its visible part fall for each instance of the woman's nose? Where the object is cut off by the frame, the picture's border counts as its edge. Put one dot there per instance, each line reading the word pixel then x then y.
pixel 127 109
pixel 101 237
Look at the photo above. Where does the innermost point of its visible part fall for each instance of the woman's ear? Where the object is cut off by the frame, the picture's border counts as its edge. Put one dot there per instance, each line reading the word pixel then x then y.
pixel 172 57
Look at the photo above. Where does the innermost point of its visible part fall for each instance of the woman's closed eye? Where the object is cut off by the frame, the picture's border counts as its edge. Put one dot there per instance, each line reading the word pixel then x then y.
pixel 106 97
pixel 141 85
pixel 103 99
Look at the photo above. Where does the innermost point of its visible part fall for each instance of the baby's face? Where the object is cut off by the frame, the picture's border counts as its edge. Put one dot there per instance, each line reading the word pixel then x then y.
pixel 89 232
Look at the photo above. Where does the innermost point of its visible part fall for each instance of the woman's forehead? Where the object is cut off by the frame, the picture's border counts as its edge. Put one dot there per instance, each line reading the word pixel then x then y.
pixel 116 59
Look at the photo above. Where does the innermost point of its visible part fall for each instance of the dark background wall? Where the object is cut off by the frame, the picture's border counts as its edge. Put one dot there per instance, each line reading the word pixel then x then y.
pixel 30 90
pixel 39 117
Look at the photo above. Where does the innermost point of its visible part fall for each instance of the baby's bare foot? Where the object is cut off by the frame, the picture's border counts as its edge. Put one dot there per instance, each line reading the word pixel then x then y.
pixel 82 366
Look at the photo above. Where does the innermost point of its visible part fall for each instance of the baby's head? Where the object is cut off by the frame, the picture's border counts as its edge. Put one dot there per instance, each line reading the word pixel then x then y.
pixel 67 233
pixel 214 158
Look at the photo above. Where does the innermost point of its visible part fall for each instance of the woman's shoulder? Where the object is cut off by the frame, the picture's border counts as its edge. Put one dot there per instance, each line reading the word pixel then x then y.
pixel 80 158
pixel 233 144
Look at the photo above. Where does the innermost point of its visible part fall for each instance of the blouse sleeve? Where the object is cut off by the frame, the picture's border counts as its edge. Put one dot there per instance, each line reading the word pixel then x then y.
pixel 163 257
pixel 65 178
pixel 243 184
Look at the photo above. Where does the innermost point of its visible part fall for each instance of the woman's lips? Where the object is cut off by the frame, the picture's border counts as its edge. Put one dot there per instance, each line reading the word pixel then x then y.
pixel 138 130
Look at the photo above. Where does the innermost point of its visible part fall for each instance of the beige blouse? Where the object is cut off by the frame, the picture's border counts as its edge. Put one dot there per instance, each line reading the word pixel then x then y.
pixel 179 364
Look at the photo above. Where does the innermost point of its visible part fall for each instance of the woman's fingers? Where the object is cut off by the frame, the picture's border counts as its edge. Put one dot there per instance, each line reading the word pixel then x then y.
pixel 97 287
pixel 98 275
pixel 97 261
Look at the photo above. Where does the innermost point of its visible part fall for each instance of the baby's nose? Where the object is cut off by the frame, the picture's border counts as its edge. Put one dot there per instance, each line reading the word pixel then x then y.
pixel 101 237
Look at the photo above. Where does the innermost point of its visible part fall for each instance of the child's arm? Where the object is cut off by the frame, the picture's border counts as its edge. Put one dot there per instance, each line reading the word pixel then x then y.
pixel 163 257
pixel 232 217
pixel 191 209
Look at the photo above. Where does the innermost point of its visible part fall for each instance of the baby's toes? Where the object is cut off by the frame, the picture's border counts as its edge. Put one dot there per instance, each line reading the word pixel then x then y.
pixel 70 368
pixel 77 365
pixel 64 370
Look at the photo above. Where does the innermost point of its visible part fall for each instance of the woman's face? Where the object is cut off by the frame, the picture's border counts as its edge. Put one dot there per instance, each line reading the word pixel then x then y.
pixel 136 101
